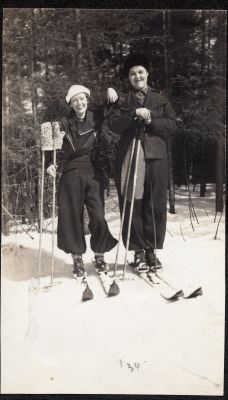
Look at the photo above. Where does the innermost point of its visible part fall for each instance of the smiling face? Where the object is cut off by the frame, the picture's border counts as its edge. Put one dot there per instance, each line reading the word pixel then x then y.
pixel 138 77
pixel 79 103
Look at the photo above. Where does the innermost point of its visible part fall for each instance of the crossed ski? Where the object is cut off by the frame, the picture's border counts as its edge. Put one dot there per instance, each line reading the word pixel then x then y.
pixel 166 289
pixel 187 292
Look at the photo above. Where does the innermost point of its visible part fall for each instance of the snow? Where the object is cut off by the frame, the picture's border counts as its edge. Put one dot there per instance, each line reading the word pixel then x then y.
pixel 134 343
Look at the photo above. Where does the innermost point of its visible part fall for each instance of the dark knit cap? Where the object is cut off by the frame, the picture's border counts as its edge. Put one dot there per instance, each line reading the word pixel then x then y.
pixel 136 59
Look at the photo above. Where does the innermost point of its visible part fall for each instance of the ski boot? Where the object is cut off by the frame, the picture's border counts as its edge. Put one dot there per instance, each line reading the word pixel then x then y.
pixel 100 264
pixel 79 270
pixel 152 261
pixel 140 262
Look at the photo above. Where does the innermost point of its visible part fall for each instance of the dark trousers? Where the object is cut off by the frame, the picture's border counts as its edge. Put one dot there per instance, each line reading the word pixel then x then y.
pixel 146 231
pixel 75 192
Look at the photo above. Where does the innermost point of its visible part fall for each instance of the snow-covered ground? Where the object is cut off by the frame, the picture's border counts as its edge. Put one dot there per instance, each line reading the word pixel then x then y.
pixel 134 343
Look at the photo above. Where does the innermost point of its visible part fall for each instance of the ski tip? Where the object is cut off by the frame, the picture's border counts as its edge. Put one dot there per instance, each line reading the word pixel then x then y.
pixel 175 296
pixel 87 294
pixel 179 293
pixel 195 293
pixel 114 289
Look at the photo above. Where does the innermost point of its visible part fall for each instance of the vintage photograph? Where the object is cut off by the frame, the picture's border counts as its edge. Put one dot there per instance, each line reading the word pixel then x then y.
pixel 113 191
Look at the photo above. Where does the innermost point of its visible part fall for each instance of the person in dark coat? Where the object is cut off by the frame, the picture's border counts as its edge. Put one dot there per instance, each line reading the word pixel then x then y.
pixel 148 115
pixel 79 183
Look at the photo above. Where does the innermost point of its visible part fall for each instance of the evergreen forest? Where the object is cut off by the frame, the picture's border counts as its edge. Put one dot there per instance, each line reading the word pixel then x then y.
pixel 46 50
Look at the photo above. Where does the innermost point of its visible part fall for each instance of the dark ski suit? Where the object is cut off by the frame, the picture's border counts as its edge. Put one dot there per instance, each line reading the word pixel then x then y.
pixel 80 185
pixel 122 120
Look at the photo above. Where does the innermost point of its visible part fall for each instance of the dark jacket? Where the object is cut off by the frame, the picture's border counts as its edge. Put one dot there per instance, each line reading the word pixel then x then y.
pixel 122 120
pixel 82 142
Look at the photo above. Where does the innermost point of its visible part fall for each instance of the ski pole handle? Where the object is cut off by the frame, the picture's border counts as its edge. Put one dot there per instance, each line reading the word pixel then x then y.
pixel 58 136
pixel 46 136
pixel 51 136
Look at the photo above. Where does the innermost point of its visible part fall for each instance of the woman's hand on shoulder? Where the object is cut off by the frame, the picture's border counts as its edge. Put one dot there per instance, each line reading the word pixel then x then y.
pixel 51 170
pixel 112 96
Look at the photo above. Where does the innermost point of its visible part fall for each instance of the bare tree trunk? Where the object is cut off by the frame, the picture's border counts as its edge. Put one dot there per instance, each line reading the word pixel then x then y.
pixel 203 63
pixel 209 40
pixel 203 49
pixel 35 119
pixel 24 187
pixel 221 49
pixel 166 22
pixel 171 180
pixel 203 185
pixel 203 188
pixel 165 34
pixel 220 172
pixel 220 146
pixel 77 57
pixel 6 122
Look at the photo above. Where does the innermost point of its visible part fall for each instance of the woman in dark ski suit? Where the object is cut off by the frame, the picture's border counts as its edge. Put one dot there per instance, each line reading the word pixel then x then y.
pixel 145 113
pixel 79 184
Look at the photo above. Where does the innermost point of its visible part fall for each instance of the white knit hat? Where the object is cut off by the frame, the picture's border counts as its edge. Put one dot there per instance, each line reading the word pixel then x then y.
pixel 76 89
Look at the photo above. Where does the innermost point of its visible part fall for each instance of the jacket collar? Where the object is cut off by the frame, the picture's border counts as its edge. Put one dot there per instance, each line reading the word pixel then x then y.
pixel 144 90
pixel 80 127
pixel 152 100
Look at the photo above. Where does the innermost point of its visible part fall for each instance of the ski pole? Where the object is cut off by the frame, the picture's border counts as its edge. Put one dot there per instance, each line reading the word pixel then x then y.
pixel 132 205
pixel 124 204
pixel 46 144
pixel 53 220
pixel 41 213
pixel 57 145
pixel 154 228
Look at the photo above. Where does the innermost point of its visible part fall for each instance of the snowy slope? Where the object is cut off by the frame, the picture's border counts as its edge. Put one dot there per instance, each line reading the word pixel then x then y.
pixel 135 343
